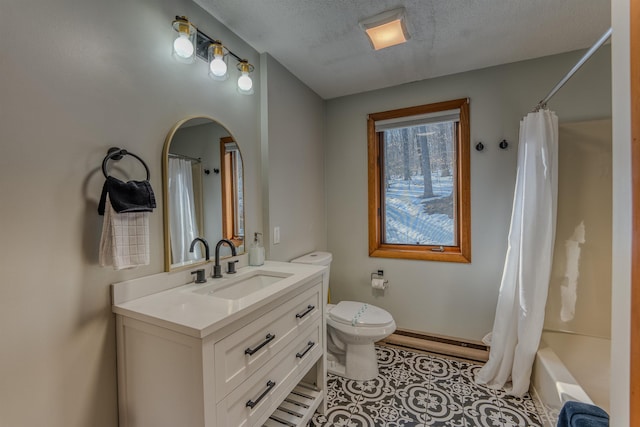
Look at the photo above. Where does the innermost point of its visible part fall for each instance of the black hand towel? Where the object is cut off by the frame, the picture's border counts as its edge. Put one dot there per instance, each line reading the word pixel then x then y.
pixel 131 196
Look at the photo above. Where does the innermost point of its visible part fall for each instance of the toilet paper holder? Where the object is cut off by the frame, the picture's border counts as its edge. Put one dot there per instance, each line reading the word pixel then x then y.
pixel 379 275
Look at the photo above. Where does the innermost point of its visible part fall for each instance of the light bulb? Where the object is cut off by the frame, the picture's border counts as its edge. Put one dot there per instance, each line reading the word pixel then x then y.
pixel 244 82
pixel 183 46
pixel 218 67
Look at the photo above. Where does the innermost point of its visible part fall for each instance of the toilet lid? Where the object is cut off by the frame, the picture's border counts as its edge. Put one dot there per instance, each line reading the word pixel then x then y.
pixel 359 314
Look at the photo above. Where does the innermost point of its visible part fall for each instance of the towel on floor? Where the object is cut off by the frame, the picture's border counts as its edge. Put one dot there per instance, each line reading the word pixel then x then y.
pixel 578 414
pixel 125 238
pixel 131 196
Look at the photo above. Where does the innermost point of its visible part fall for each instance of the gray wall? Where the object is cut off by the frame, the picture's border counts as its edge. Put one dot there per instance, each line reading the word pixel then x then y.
pixel 77 78
pixel 293 176
pixel 448 298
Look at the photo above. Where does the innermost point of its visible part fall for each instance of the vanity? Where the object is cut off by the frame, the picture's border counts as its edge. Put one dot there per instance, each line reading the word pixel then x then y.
pixel 247 349
pixel 244 350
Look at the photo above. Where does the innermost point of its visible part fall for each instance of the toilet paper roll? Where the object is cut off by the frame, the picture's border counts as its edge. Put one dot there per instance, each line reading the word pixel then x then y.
pixel 378 284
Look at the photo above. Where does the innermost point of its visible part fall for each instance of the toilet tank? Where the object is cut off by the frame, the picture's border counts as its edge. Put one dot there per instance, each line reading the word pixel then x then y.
pixel 315 258
pixel 318 258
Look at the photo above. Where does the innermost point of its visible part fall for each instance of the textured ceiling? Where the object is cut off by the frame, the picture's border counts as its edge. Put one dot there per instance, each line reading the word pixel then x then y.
pixel 321 43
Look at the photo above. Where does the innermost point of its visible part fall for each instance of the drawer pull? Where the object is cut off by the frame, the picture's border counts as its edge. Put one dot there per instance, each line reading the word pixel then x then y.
pixel 251 351
pixel 310 345
pixel 270 385
pixel 307 311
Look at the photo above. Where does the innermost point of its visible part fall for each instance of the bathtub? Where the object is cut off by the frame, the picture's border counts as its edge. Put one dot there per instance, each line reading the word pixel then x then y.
pixel 570 366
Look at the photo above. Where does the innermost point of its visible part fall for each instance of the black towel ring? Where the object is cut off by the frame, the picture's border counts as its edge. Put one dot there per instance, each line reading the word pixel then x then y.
pixel 116 153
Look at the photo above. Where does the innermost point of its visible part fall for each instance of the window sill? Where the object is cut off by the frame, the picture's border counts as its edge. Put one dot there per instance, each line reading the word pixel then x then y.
pixel 450 254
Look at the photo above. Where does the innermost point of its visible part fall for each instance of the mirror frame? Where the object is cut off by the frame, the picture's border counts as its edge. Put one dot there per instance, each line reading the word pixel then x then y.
pixel 165 193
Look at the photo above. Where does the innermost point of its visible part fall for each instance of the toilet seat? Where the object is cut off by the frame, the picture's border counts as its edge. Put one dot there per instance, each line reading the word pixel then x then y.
pixel 359 314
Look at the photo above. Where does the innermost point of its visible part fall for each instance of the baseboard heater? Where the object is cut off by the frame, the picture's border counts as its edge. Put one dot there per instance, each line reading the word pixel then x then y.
pixel 448 346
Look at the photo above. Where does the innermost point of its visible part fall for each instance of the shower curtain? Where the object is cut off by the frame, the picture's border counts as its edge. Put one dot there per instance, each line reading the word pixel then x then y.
pixel 183 225
pixel 525 279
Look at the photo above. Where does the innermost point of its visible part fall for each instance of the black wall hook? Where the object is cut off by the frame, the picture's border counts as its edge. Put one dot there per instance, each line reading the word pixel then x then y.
pixel 479 146
pixel 503 144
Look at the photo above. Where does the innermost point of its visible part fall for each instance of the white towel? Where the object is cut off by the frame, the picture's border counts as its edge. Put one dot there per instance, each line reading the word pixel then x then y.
pixel 125 238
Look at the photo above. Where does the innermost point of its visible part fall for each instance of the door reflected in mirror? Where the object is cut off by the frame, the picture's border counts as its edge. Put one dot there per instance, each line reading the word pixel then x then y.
pixel 203 185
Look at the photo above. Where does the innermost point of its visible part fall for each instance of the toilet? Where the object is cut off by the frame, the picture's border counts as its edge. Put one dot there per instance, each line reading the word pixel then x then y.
pixel 352 329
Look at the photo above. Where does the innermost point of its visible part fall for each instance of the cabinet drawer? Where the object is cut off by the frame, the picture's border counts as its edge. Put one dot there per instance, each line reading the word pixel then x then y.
pixel 242 353
pixel 255 399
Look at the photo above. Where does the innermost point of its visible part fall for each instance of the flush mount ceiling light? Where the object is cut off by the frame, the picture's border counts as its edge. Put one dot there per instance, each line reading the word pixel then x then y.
pixel 191 43
pixel 386 29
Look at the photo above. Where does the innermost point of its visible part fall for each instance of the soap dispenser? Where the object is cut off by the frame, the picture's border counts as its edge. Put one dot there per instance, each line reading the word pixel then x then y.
pixel 256 251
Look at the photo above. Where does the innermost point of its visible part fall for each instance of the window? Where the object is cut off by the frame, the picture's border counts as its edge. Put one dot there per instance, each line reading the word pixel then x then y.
pixel 232 191
pixel 419 195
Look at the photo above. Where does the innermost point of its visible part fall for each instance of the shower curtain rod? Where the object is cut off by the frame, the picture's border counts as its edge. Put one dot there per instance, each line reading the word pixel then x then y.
pixel 182 156
pixel 556 88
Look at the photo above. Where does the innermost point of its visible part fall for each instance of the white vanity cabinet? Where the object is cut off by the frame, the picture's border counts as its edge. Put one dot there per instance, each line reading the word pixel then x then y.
pixel 263 364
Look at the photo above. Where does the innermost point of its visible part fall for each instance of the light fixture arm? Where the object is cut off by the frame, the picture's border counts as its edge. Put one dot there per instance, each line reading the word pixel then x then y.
pixel 202 44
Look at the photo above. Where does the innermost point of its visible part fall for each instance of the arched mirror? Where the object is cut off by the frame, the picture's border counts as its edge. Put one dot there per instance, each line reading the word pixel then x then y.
pixel 203 185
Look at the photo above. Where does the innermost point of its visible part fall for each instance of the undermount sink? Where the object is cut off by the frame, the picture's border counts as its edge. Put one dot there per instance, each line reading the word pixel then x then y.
pixel 236 288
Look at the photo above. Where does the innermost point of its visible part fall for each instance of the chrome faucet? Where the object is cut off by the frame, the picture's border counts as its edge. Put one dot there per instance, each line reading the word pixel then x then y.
pixel 217 271
pixel 206 246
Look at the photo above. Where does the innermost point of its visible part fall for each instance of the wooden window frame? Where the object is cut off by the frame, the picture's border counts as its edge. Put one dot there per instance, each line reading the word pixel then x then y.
pixel 229 190
pixel 461 252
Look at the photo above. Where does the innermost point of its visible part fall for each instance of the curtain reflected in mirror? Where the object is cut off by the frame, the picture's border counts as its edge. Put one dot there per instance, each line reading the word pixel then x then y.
pixel 186 212
pixel 204 191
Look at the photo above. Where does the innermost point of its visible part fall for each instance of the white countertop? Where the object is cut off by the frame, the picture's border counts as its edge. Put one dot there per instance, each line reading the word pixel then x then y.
pixel 165 300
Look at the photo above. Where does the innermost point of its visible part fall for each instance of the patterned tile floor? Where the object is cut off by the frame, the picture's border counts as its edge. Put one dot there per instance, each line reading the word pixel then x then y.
pixel 419 389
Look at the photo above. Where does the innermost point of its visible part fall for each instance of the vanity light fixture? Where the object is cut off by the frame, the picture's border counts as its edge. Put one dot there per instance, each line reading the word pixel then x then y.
pixel 192 42
pixel 245 83
pixel 184 44
pixel 386 29
pixel 218 61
